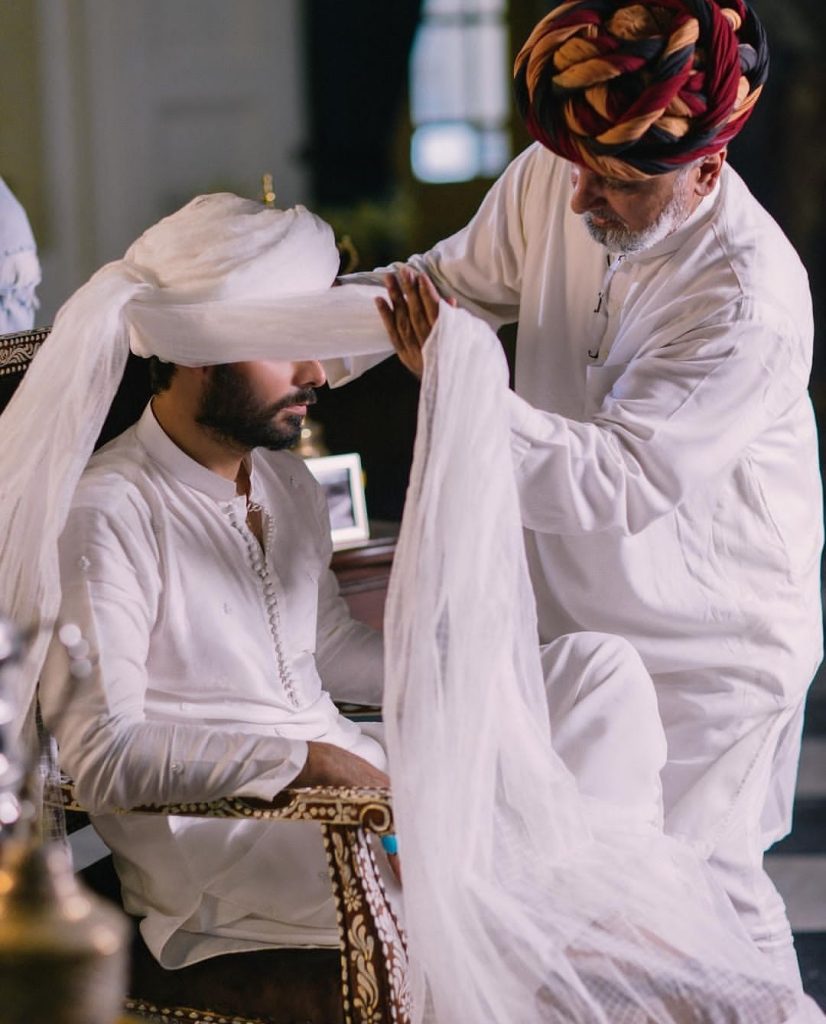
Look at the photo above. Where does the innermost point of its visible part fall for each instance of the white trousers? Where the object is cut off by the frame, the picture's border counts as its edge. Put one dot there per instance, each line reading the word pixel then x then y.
pixel 607 729
pixel 605 725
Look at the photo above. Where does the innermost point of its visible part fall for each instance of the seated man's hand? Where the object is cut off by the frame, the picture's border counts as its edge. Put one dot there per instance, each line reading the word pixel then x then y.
pixel 329 765
pixel 410 315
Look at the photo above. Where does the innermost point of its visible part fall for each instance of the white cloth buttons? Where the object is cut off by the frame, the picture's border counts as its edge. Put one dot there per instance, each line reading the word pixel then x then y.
pixel 80 649
pixel 80 668
pixel 259 567
pixel 69 634
pixel 77 647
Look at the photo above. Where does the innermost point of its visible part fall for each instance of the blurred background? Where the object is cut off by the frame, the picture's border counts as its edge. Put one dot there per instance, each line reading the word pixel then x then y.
pixel 391 119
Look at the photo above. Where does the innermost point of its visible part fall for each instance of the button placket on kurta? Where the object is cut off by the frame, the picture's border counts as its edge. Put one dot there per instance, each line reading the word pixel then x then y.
pixel 268 586
pixel 605 311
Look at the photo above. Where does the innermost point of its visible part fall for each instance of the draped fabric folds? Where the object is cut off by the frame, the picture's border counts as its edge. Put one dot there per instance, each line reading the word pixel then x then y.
pixel 523 901
pixel 224 279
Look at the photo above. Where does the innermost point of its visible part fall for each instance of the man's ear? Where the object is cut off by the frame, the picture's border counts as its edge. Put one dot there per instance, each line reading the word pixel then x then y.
pixel 188 382
pixel 708 171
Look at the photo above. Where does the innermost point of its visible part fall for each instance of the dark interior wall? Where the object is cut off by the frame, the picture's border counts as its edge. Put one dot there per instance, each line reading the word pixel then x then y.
pixel 357 56
pixel 782 151
pixel 357 61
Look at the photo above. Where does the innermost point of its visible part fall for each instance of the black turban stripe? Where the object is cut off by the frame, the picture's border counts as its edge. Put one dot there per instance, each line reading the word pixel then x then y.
pixel 633 89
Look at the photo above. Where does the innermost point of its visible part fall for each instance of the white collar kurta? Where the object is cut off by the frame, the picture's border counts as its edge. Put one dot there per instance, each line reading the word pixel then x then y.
pixel 204 678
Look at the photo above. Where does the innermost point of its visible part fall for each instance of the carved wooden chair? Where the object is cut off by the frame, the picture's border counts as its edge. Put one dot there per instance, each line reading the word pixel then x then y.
pixel 365 981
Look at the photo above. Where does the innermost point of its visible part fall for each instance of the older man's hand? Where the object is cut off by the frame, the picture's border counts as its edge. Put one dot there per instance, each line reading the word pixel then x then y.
pixel 410 315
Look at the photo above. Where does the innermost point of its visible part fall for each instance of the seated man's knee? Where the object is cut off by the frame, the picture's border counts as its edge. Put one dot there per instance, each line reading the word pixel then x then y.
pixel 605 723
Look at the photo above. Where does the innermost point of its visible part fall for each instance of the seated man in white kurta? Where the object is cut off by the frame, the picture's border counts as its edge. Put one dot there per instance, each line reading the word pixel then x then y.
pixel 195 564
pixel 197 571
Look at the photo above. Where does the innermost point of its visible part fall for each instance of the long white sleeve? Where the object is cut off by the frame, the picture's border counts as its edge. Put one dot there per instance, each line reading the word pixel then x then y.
pixel 672 421
pixel 116 756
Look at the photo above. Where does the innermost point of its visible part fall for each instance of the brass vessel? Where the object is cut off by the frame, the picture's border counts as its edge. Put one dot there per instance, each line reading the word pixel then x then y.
pixel 63 950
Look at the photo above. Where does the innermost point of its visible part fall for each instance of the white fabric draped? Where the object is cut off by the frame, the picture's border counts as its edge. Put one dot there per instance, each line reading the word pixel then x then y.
pixel 222 280
pixel 523 902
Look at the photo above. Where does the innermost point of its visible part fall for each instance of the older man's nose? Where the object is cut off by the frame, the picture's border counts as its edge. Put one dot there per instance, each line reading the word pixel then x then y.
pixel 587 192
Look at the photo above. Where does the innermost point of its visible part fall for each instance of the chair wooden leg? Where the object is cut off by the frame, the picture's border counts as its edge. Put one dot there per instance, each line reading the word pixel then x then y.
pixel 373 950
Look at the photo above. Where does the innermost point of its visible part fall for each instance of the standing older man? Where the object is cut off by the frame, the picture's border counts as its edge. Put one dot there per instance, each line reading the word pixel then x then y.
pixel 664 441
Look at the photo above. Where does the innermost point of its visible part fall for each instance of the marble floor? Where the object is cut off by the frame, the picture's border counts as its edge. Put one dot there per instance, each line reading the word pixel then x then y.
pixel 797 864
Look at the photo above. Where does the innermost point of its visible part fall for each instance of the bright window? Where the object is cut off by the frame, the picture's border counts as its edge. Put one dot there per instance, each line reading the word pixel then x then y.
pixel 459 87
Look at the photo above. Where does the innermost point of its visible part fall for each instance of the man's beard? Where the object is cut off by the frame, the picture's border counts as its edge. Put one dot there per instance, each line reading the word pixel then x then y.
pixel 618 238
pixel 231 412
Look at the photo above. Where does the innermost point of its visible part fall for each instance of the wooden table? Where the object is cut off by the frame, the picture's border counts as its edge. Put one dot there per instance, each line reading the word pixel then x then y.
pixel 363 573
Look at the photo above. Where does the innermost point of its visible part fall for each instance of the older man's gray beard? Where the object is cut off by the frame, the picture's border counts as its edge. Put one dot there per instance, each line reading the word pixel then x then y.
pixel 618 238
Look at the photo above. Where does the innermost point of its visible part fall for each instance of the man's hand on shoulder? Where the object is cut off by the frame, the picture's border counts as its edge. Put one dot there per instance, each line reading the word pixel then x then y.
pixel 329 765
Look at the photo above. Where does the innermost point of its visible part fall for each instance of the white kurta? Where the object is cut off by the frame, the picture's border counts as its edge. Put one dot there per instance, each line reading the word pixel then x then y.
pixel 667 464
pixel 207 659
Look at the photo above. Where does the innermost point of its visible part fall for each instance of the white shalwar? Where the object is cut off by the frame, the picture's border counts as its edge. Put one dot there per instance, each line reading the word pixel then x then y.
pixel 203 678
pixel 666 458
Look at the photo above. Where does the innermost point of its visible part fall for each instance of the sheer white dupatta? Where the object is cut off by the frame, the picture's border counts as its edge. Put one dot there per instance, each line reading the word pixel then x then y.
pixel 523 904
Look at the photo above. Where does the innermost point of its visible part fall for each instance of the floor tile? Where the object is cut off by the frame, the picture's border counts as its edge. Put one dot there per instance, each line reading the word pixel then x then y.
pixel 808 833
pixel 811 776
pixel 811 954
pixel 801 880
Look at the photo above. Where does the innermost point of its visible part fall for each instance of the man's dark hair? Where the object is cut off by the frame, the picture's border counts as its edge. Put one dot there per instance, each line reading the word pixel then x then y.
pixel 160 374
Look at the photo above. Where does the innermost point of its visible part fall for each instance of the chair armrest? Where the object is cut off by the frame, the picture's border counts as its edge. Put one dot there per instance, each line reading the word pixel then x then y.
pixel 349 807
pixel 372 944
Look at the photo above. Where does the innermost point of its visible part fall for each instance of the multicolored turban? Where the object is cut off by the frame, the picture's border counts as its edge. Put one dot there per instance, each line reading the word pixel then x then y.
pixel 634 88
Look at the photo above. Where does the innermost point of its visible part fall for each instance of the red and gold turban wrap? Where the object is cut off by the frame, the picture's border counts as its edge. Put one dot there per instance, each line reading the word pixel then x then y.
pixel 633 88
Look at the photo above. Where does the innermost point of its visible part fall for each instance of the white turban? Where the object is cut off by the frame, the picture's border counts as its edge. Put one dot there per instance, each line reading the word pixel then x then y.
pixel 222 280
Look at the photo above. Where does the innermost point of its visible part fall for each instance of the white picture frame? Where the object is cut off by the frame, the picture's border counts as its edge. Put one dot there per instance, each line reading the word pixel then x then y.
pixel 342 480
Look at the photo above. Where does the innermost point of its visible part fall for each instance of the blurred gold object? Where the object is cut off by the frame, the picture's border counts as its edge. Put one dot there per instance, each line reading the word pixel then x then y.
pixel 63 950
pixel 349 253
pixel 267 190
pixel 311 443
